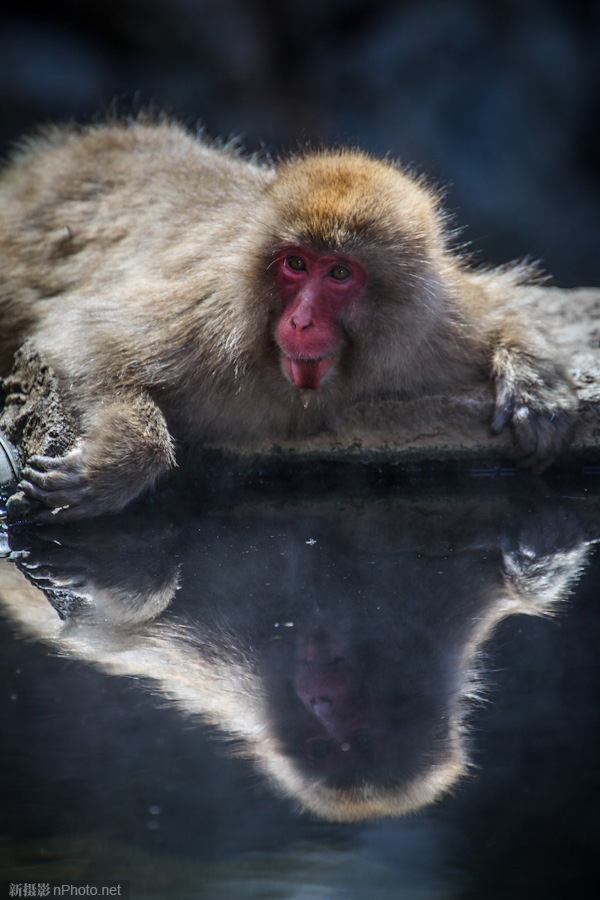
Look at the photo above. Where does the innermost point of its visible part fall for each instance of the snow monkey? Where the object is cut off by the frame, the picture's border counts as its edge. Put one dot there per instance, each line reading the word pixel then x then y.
pixel 185 294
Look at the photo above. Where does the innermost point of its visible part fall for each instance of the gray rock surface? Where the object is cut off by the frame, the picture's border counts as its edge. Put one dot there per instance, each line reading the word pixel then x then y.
pixel 33 418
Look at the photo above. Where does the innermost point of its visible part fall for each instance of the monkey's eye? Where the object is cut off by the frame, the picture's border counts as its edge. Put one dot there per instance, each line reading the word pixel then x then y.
pixel 340 273
pixel 296 263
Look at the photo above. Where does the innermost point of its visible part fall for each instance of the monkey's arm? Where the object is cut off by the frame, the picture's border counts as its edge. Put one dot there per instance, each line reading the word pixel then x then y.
pixel 534 396
pixel 125 449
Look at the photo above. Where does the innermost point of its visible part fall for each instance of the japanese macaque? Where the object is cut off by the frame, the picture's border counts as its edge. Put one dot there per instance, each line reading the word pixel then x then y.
pixel 183 294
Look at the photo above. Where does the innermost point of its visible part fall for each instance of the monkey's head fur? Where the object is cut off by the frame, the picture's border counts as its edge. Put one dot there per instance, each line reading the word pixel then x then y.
pixel 324 210
pixel 345 201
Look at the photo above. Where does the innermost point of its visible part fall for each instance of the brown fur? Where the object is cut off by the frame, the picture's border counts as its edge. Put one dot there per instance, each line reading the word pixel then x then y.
pixel 139 260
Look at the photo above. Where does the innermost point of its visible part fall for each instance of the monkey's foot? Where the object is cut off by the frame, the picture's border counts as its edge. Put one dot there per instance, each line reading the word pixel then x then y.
pixel 61 484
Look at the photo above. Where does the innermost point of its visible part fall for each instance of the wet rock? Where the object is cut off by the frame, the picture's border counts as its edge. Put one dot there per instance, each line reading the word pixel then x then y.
pixel 34 418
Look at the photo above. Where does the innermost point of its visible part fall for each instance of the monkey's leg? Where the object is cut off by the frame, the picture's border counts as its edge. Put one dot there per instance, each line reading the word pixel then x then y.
pixel 126 448
pixel 535 397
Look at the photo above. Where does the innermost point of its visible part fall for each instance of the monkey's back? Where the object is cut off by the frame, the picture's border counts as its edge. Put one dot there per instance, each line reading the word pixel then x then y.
pixel 92 221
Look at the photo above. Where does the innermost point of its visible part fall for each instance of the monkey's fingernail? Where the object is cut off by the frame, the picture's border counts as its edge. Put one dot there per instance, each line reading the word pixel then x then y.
pixel 499 422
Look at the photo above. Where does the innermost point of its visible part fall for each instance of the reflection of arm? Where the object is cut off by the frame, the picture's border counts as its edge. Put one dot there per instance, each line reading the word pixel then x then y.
pixel 121 574
pixel 544 562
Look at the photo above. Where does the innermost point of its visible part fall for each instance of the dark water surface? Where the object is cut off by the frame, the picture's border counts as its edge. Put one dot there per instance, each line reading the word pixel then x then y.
pixel 386 692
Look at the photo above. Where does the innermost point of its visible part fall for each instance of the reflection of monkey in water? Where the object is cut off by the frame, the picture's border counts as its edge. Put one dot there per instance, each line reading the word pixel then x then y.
pixel 343 666
pixel 184 294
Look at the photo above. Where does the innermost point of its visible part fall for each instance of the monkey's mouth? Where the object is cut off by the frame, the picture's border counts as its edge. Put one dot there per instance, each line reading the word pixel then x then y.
pixel 307 373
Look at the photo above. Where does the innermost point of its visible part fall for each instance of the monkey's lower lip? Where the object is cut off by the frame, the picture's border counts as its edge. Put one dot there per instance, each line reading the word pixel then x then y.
pixel 306 373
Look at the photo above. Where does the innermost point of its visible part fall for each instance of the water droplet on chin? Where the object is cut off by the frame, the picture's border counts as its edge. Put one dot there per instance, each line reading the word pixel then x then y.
pixel 304 398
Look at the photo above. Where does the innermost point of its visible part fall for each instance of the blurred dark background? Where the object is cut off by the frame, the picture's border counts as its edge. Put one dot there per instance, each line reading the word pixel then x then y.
pixel 496 100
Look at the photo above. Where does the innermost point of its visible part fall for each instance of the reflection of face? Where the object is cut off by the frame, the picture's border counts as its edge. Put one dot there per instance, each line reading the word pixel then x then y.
pixel 344 729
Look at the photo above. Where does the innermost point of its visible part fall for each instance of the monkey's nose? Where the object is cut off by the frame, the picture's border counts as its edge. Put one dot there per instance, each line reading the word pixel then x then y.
pixel 322 707
pixel 301 324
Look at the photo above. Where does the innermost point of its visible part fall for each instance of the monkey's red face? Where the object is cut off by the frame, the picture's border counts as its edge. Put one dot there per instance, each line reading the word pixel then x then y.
pixel 320 294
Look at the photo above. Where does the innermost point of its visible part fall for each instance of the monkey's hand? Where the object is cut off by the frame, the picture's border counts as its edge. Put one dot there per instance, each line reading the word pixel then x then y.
pixel 60 483
pixel 536 399
pixel 127 449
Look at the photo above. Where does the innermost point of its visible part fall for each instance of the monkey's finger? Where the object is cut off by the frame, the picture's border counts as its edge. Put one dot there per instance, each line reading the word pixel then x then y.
pixel 524 431
pixel 62 560
pixel 502 415
pixel 32 490
pixel 44 584
pixel 535 438
pixel 503 407
pixel 53 480
pixel 545 453
pixel 55 576
pixel 54 499
pixel 69 462
pixel 548 437
pixel 564 426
